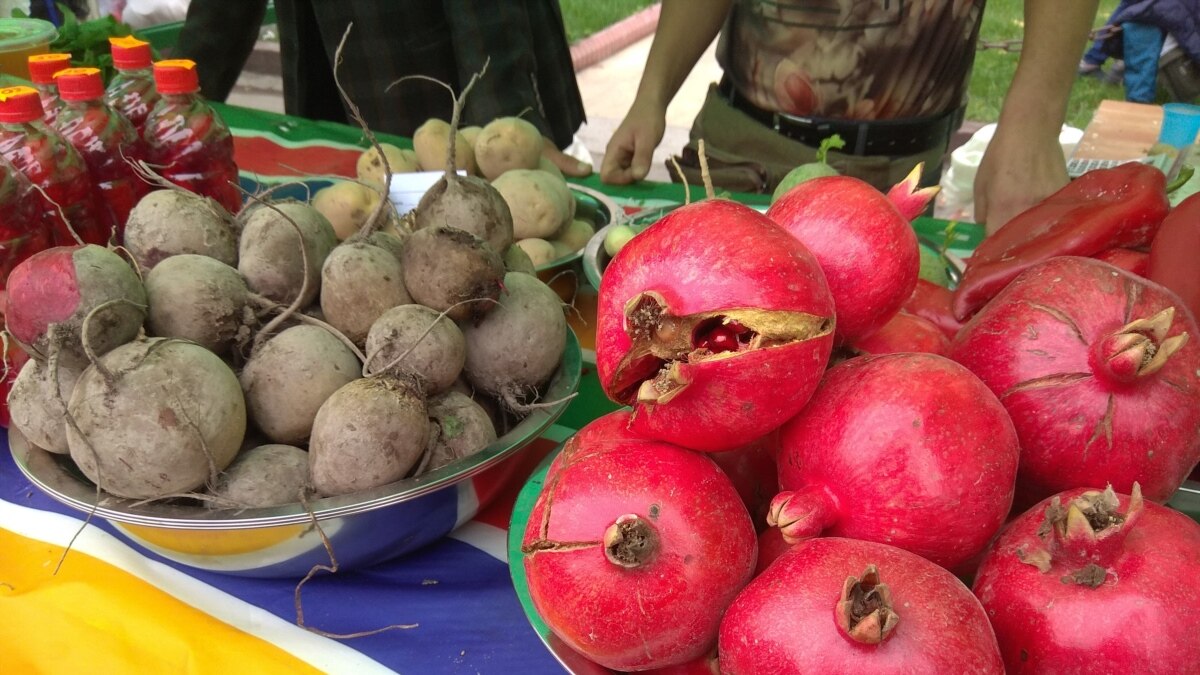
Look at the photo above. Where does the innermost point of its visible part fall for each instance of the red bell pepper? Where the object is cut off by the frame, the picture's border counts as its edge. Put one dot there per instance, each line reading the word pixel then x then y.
pixel 933 303
pixel 1176 251
pixel 1126 258
pixel 1102 209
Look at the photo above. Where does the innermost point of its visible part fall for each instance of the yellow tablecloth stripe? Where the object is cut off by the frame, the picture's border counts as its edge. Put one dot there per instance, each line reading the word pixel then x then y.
pixel 94 618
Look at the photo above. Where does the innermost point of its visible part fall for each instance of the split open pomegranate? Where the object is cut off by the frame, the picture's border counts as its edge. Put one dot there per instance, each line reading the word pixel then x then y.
pixel 715 324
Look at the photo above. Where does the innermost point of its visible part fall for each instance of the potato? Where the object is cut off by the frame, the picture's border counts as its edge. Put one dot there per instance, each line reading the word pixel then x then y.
pixel 370 167
pixel 507 143
pixel 470 133
pixel 539 251
pixel 346 205
pixel 429 142
pixel 541 203
pixel 576 234
pixel 544 164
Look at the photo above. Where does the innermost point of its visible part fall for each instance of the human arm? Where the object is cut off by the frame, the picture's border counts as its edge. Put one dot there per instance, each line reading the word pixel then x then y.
pixel 685 29
pixel 1024 162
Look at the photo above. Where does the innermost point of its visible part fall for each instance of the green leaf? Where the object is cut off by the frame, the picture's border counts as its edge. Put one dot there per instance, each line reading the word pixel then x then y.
pixel 1184 175
pixel 834 142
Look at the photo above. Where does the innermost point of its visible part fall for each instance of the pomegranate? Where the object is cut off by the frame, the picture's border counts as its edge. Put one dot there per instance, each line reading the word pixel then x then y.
pixel 1127 259
pixel 1079 584
pixel 845 606
pixel 934 303
pixel 1098 374
pixel 635 547
pixel 754 475
pixel 705 665
pixel 904 333
pixel 910 200
pixel 771 545
pixel 910 450
pixel 714 324
pixel 865 246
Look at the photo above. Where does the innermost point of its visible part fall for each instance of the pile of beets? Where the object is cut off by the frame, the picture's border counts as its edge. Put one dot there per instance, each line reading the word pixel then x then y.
pixel 817 457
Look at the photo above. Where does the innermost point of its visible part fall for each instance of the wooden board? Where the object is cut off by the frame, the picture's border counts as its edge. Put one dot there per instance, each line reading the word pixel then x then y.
pixel 1120 130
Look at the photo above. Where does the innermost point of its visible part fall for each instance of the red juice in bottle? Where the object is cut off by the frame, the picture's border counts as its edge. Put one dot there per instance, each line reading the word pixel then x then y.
pixel 52 164
pixel 42 68
pixel 23 227
pixel 131 91
pixel 186 141
pixel 105 140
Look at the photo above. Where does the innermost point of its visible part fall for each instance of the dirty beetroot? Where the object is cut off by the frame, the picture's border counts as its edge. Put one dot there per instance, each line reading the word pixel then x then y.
pixel 1093 581
pixel 635 547
pixel 1100 372
pixel 714 324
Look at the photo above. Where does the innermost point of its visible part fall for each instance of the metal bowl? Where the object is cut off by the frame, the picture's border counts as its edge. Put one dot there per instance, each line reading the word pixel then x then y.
pixel 363 528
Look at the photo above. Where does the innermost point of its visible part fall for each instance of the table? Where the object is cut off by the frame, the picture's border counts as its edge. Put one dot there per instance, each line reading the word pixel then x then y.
pixel 1120 130
pixel 115 608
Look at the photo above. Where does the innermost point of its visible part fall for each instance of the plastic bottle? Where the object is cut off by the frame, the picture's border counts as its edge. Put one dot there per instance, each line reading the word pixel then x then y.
pixel 131 91
pixel 42 68
pixel 52 164
pixel 186 140
pixel 105 140
pixel 23 228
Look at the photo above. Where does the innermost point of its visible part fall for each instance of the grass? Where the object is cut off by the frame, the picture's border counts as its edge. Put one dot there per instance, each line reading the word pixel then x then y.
pixel 584 17
pixel 1003 20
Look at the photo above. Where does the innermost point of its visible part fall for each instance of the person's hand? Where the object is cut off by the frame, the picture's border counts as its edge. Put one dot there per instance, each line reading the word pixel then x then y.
pixel 631 148
pixel 567 164
pixel 1016 172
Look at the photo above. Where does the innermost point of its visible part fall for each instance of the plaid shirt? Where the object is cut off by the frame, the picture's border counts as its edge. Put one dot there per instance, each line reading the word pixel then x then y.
pixel 530 72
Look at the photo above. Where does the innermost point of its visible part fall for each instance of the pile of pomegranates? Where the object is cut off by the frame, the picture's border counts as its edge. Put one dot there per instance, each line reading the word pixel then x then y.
pixel 817 460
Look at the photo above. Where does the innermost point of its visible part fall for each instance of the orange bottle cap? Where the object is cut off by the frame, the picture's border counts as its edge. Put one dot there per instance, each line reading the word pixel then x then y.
pixel 80 84
pixel 176 76
pixel 42 67
pixel 20 104
pixel 130 53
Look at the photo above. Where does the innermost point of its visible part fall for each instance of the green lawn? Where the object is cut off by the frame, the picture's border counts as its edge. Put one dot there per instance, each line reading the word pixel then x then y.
pixel 584 17
pixel 1002 20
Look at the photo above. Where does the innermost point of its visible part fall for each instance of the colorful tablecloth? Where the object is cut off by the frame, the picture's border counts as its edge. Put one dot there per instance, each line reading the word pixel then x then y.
pixel 113 607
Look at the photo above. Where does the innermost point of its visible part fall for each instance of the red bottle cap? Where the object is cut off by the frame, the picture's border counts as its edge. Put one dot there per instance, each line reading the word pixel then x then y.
pixel 176 76
pixel 20 104
pixel 42 67
pixel 80 84
pixel 130 53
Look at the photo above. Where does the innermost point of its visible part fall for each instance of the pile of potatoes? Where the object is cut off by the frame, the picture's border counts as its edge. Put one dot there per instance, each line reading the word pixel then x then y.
pixel 507 152
pixel 295 349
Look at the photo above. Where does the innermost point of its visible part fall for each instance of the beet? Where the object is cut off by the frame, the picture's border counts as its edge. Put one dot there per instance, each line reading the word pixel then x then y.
pixel 1098 371
pixel 714 324
pixel 463 428
pixel 359 282
pixel 452 271
pixel 416 342
pixel 865 246
pixel 270 256
pixel 845 606
pixel 1095 582
pixel 634 572
pixel 263 476
pixel 165 223
pixel 910 450
pixel 61 286
pixel 201 299
pixel 37 410
pixel 155 417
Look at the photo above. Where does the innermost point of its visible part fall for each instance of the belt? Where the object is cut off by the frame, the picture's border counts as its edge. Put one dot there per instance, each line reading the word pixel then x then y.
pixel 879 137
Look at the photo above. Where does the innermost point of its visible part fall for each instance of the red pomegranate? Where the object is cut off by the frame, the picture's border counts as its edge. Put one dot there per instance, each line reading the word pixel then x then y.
pixel 910 450
pixel 909 199
pixel 754 474
pixel 635 547
pixel 865 246
pixel 904 333
pixel 933 303
pixel 714 324
pixel 1080 585
pixel 846 606
pixel 771 545
pixel 1097 371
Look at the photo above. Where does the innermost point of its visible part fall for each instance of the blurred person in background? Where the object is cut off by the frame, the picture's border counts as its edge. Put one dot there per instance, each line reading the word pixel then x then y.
pixel 529 73
pixel 890 78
